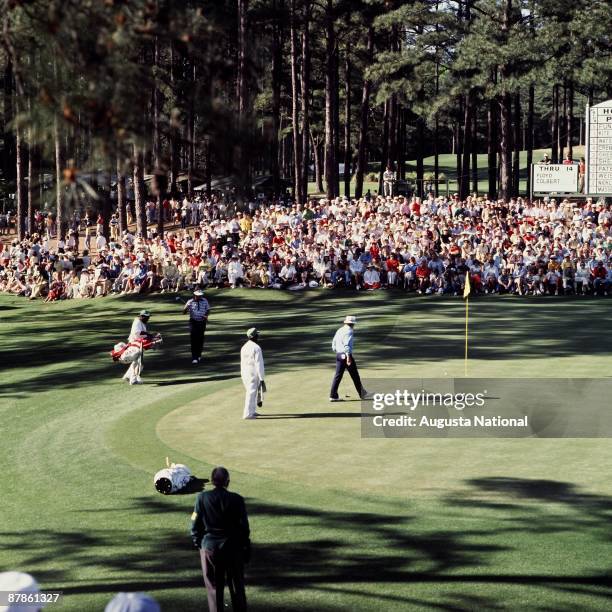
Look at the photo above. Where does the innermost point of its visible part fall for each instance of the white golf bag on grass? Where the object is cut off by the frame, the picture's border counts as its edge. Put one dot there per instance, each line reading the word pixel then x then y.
pixel 172 478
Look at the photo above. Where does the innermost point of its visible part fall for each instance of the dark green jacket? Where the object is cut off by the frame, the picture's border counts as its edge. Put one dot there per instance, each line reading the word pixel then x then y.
pixel 220 519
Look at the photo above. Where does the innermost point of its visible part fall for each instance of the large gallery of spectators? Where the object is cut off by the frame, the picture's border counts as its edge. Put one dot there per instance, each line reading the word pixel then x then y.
pixel 426 246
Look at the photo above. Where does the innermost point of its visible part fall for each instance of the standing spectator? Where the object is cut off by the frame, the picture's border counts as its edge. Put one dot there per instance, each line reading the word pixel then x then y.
pixel 388 181
pixel 220 531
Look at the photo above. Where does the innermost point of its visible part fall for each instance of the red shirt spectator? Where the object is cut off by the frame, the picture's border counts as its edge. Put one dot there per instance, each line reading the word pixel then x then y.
pixel 422 270
pixel 392 264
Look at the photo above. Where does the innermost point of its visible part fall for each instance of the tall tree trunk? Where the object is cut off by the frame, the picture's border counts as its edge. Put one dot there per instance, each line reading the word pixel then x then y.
pixel 157 145
pixel 174 131
pixel 570 118
pixel 208 166
pixel 305 100
pixel 420 154
pixel 474 144
pixel 121 200
pixel 459 144
pixel 61 220
pixel 9 157
pixel 318 162
pixel 529 136
pixel 554 126
pixel 401 144
pixel 277 63
pixel 297 143
pixel 336 94
pixel 516 162
pixel 241 81
pixel 243 149
pixel 392 135
pixel 384 156
pixel 20 170
pixel 505 114
pixel 436 154
pixel 363 120
pixel 505 177
pixel 561 134
pixel 33 162
pixel 191 139
pixel 464 183
pixel 331 164
pixel 139 192
pixel 347 126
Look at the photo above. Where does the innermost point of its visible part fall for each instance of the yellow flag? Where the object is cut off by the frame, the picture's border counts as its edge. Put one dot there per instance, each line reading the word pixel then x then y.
pixel 468 289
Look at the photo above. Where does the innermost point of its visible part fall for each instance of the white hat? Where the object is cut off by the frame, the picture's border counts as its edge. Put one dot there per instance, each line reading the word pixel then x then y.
pixel 198 293
pixel 19 582
pixel 132 602
pixel 350 320
pixel 252 332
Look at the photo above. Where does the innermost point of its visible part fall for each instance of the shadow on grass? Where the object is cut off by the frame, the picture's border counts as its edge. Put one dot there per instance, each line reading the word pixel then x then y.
pixel 70 346
pixel 357 555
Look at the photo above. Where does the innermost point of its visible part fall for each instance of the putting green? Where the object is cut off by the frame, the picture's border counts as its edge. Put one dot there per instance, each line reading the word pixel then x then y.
pixel 303 438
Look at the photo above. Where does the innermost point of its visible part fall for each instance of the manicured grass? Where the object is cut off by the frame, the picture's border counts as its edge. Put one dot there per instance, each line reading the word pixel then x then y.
pixel 339 523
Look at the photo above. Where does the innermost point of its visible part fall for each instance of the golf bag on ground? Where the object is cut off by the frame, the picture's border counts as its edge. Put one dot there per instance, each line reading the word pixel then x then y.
pixel 172 478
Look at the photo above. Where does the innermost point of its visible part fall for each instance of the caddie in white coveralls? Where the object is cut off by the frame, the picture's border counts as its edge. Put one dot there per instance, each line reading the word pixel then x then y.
pixel 138 330
pixel 252 372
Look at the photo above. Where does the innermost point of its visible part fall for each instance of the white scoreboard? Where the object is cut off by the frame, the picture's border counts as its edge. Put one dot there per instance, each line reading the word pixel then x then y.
pixel 554 178
pixel 599 149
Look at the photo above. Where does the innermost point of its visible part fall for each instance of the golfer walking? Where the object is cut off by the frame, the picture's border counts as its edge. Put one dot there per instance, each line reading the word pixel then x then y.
pixel 252 372
pixel 198 309
pixel 342 345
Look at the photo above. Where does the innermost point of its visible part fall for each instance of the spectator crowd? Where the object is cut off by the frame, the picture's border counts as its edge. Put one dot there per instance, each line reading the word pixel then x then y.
pixel 427 246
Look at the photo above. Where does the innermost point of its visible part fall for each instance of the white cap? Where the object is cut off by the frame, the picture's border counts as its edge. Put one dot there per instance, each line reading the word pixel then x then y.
pixel 350 320
pixel 252 332
pixel 198 293
pixel 132 602
pixel 19 582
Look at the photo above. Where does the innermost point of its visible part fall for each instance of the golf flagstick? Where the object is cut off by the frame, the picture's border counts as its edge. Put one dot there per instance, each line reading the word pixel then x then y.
pixel 466 296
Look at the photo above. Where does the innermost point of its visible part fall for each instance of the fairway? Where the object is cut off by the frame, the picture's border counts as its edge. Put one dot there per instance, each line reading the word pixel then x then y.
pixel 338 522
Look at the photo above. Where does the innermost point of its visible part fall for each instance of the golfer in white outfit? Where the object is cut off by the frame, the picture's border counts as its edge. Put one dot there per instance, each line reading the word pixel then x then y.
pixel 139 330
pixel 252 372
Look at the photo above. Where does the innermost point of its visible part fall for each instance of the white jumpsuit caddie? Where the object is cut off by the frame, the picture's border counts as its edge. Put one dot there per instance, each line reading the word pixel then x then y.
pixel 138 331
pixel 252 373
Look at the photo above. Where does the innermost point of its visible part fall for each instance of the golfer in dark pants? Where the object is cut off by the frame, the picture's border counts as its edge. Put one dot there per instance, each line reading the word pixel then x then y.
pixel 220 530
pixel 342 345
pixel 198 309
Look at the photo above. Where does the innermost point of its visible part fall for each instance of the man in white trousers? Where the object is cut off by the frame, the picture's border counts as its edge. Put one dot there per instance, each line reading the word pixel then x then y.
pixel 137 332
pixel 252 372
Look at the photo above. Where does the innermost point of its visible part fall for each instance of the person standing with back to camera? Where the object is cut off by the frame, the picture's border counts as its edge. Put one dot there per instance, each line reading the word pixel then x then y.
pixel 220 531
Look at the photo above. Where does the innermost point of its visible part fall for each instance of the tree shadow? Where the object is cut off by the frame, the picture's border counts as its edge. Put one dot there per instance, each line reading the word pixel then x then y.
pixel 297 331
pixel 363 556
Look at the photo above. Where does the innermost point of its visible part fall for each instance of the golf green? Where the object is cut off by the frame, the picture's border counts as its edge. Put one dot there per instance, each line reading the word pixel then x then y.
pixel 338 522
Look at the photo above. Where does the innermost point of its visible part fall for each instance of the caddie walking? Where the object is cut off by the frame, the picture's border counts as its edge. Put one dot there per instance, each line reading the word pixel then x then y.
pixel 137 332
pixel 198 309
pixel 342 345
pixel 252 372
